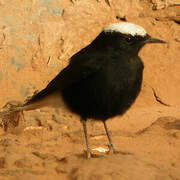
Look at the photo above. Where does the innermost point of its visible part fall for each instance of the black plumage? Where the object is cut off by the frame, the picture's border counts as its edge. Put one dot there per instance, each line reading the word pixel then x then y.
pixel 103 79
pixel 110 82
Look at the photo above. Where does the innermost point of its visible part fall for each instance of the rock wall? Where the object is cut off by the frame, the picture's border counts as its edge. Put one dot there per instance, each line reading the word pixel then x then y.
pixel 37 37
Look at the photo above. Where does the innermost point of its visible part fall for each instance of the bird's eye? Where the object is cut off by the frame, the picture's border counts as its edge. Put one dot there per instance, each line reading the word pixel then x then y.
pixel 129 39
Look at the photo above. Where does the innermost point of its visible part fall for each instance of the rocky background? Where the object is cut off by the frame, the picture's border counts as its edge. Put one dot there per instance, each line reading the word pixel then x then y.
pixel 37 37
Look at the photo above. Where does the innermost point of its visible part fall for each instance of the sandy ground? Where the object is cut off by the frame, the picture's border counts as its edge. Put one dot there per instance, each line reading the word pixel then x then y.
pixel 36 40
pixel 147 140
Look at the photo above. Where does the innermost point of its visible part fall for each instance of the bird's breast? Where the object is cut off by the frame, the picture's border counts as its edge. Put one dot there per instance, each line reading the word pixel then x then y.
pixel 107 92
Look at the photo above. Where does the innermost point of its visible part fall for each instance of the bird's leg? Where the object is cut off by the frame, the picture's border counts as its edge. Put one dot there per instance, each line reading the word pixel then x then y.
pixel 109 138
pixel 86 137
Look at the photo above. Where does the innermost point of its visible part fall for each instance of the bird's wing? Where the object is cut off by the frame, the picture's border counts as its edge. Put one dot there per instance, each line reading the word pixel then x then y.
pixel 76 72
pixel 84 65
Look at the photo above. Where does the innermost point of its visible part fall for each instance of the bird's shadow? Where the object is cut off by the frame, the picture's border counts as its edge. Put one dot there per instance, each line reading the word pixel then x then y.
pixel 172 125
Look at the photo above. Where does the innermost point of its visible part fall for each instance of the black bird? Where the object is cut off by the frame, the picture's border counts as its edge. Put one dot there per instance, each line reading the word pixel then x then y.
pixel 102 80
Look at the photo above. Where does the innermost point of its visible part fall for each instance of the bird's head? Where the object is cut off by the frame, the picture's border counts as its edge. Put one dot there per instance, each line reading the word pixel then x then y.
pixel 128 37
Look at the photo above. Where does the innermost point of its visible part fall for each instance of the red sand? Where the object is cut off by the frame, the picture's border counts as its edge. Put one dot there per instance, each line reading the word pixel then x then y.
pixel 36 40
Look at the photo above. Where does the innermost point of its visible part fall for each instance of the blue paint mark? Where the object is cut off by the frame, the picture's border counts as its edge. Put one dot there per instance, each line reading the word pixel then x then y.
pixel 56 10
pixel 28 36
pixel 24 91
pixel 18 66
pixel 50 5
pixel 43 21
pixel 21 56
pixel 44 3
pixel 12 61
pixel 20 48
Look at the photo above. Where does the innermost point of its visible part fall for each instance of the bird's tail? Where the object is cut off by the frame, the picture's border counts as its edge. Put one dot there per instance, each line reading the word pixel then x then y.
pixel 42 99
pixel 38 96
pixel 38 100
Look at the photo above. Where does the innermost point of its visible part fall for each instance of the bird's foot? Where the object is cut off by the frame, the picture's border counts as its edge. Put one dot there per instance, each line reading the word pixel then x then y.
pixel 112 150
pixel 87 154
pixel 90 155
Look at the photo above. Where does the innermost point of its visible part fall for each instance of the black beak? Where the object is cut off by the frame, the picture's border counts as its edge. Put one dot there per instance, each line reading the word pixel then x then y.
pixel 154 40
